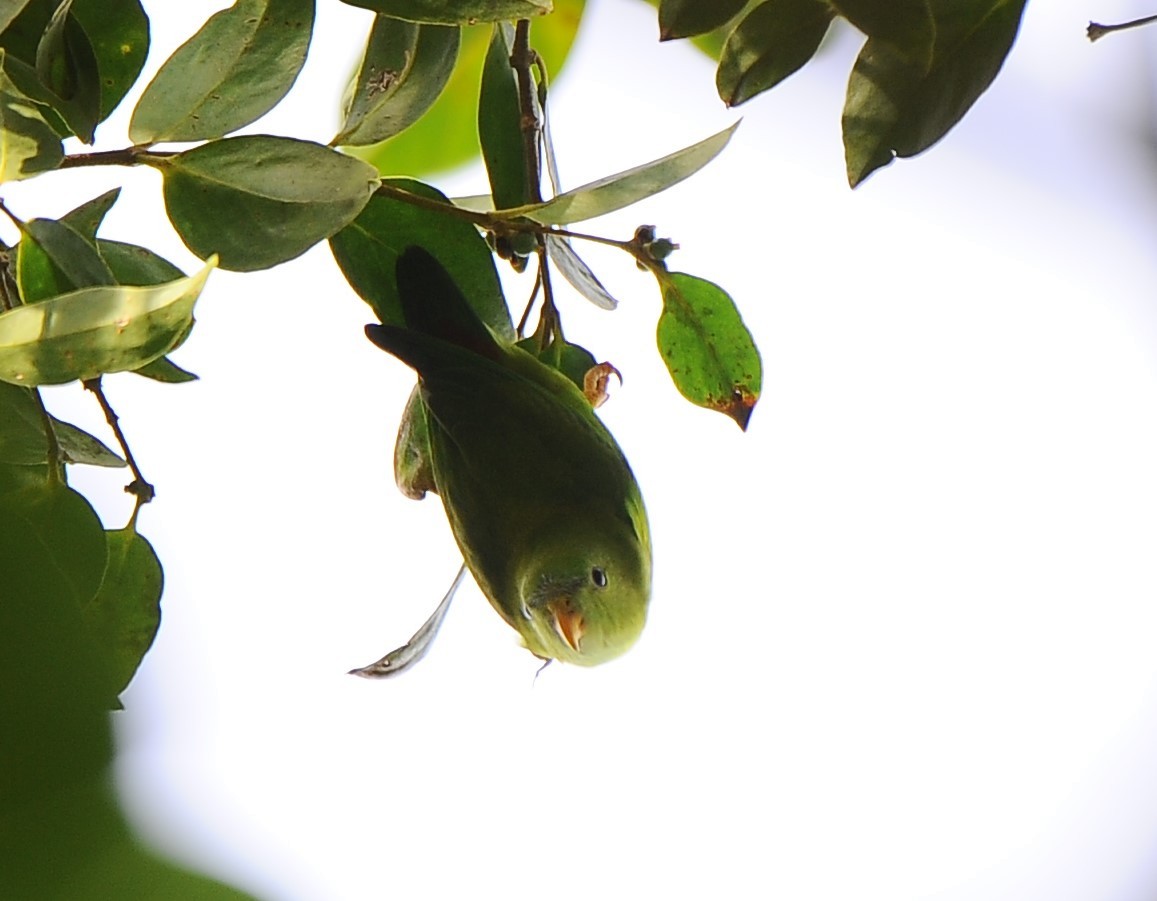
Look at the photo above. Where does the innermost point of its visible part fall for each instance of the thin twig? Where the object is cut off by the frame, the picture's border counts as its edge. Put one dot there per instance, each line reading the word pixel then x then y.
pixel 125 156
pixel 521 60
pixel 139 487
pixel 1096 31
pixel 55 458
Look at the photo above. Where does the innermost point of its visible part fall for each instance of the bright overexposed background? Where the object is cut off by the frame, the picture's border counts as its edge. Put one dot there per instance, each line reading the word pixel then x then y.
pixel 902 632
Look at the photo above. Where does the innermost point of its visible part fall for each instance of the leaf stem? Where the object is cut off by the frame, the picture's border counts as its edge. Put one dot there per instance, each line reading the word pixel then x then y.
pixel 125 156
pixel 139 488
pixel 1096 31
pixel 521 60
pixel 55 456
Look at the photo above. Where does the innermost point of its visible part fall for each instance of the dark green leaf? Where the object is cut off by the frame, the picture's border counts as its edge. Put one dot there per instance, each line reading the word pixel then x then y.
pixel 896 107
pixel 53 258
pixel 571 360
pixel 22 438
pixel 625 188
pixel 126 612
pixel 119 33
pixel 95 330
pixel 684 18
pixel 707 348
pixel 499 125
pixel 9 10
pixel 165 370
pixel 447 135
pixel 86 218
pixel 367 251
pixel 67 67
pixel 908 25
pixel 404 69
pixel 259 200
pixel 774 41
pixel 234 70
pixel 456 12
pixel 28 144
pixel 134 265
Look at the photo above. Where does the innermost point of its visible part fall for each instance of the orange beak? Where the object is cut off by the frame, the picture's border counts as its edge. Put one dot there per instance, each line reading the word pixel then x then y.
pixel 568 624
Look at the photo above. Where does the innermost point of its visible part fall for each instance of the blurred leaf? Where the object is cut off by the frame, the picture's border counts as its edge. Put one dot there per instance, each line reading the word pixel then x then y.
pixel 22 438
pixel 404 69
pixel 86 218
pixel 908 25
pixel 230 73
pixel 684 18
pixel 367 251
pixel 499 124
pixel 456 12
pixel 95 330
pixel 897 107
pixel 53 258
pixel 413 466
pixel 707 348
pixel 9 10
pixel 772 42
pixel 28 144
pixel 119 34
pixel 447 135
pixel 624 188
pixel 259 200
pixel 571 360
pixel 126 612
pixel 578 273
pixel 66 65
pixel 165 370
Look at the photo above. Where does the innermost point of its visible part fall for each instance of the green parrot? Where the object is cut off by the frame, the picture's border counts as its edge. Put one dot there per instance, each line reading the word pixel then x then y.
pixel 540 498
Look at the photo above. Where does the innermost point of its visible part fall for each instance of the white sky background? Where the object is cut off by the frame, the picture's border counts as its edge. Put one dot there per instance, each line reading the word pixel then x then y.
pixel 902 631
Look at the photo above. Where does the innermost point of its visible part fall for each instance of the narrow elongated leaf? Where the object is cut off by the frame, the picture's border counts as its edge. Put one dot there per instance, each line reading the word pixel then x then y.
pixel 908 25
pixel 67 66
pixel 9 10
pixel 772 42
pixel 367 251
pixel 28 144
pixel 625 188
pixel 231 72
pixel 707 348
pixel 897 107
pixel 86 218
pixel 165 370
pixel 684 18
pixel 118 31
pixel 53 258
pixel 126 612
pixel 92 331
pixel 22 438
pixel 499 125
pixel 447 135
pixel 259 200
pixel 578 273
pixel 456 12
pixel 404 69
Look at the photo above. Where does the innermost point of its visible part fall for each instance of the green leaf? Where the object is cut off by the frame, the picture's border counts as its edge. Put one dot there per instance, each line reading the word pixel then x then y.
pixel 126 612
pixel 404 69
pixel 897 107
pixel 707 348
pixel 259 200
pixel 571 360
pixel 456 12
pixel 625 188
pixel 86 218
pixel 684 18
pixel 499 124
pixel 165 370
pixel 447 135
pixel 22 438
pixel 231 72
pixel 28 144
pixel 367 251
pixel 771 43
pixel 134 265
pixel 9 10
pixel 908 25
pixel 119 33
pixel 413 465
pixel 66 65
pixel 53 258
pixel 91 331
pixel 578 273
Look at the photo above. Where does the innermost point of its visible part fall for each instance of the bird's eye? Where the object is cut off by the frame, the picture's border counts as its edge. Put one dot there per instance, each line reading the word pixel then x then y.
pixel 599 577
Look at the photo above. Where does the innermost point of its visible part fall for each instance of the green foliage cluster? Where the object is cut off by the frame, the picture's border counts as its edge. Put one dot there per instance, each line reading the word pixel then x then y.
pixel 439 81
